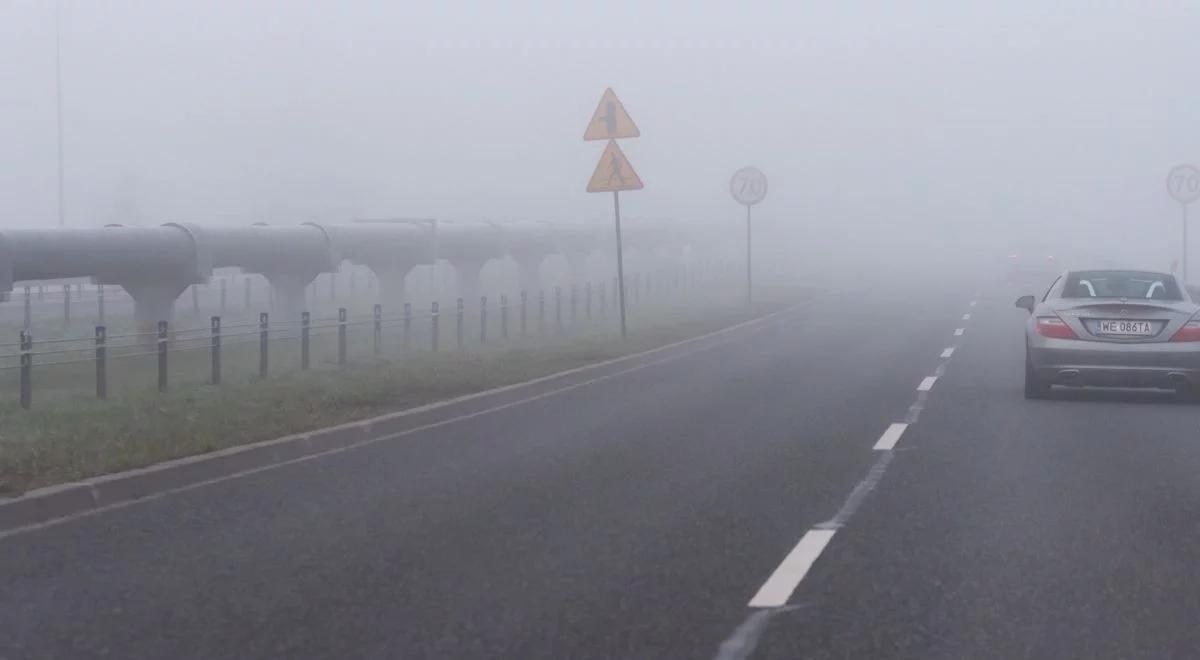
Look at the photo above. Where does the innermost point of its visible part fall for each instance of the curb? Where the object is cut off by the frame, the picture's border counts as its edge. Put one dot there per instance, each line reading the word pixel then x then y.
pixel 44 505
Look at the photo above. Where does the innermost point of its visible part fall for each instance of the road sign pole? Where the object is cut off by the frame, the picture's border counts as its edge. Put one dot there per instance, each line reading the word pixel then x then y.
pixel 620 260
pixel 749 296
pixel 1184 261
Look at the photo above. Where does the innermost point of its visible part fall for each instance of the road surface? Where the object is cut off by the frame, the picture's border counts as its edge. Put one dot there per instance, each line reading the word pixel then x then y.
pixel 639 512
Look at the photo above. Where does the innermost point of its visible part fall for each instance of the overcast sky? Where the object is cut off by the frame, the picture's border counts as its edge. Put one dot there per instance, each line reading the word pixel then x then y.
pixel 931 119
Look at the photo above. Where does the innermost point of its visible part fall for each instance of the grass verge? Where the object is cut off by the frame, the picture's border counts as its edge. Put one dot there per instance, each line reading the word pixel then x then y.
pixel 80 438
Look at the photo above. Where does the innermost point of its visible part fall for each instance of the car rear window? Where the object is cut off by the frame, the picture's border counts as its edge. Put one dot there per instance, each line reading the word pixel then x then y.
pixel 1121 284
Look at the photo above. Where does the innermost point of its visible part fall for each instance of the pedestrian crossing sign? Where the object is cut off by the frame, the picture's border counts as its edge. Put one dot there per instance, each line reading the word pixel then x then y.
pixel 613 172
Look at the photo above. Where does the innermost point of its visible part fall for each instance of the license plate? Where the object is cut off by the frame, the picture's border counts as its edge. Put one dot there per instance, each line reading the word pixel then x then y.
pixel 1128 328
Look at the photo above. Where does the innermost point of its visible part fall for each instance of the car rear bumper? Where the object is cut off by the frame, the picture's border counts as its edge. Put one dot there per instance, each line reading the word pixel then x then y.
pixel 1076 362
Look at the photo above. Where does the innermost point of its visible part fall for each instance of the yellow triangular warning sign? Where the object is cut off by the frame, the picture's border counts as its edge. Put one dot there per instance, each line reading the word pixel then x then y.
pixel 610 120
pixel 614 172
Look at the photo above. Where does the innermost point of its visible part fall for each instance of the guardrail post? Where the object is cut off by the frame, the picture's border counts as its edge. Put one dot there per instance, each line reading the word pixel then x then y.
pixel 101 363
pixel 28 309
pixel 41 293
pixel 524 307
pixel 215 377
pixel 196 299
pixel 460 324
pixel 66 304
pixel 264 339
pixel 573 297
pixel 504 317
pixel 26 370
pixel 223 284
pixel 558 326
pixel 407 324
pixel 587 295
pixel 305 322
pixel 378 324
pixel 100 303
pixel 341 336
pixel 541 311
pixel 482 320
pixel 162 356
pixel 247 287
pixel 433 327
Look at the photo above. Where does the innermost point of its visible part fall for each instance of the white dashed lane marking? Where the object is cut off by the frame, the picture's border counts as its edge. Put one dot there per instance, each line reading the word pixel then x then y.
pixel 959 332
pixel 966 317
pixel 927 384
pixel 972 303
pixel 778 588
pixel 890 437
pixel 948 352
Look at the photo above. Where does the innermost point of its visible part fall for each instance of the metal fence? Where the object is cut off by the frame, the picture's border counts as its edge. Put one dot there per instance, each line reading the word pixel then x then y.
pixel 226 351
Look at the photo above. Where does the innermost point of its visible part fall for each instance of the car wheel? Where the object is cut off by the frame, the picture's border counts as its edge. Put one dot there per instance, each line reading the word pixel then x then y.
pixel 1035 387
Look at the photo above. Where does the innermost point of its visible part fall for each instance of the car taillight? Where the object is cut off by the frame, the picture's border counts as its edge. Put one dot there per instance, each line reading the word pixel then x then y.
pixel 1054 327
pixel 1189 332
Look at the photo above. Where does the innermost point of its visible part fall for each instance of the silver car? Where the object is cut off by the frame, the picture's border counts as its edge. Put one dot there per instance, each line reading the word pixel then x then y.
pixel 1114 328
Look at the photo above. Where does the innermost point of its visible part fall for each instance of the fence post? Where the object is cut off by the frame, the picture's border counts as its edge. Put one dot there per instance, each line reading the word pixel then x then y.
pixel 28 309
pixel 215 377
pixel 407 325
pixel 541 311
pixel 482 320
pixel 460 324
pixel 66 304
pixel 504 317
pixel 378 322
pixel 573 297
pixel 341 336
pixel 195 300
pixel 524 306
pixel 101 363
pixel 247 283
pixel 223 283
pixel 26 370
pixel 264 328
pixel 587 295
pixel 558 326
pixel 433 326
pixel 162 356
pixel 305 321
pixel 100 303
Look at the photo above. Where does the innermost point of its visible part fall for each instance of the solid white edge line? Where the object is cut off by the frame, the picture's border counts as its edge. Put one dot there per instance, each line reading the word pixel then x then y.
pixel 958 332
pixel 927 384
pixel 778 588
pixel 890 437
pixel 948 352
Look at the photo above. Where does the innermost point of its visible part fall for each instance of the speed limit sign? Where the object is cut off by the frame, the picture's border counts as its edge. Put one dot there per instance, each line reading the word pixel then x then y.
pixel 748 186
pixel 1183 183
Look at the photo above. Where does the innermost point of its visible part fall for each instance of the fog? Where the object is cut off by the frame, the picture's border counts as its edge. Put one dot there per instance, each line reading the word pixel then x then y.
pixel 932 131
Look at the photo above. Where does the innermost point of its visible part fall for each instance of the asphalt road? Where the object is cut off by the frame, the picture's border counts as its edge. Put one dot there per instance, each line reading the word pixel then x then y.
pixel 637 516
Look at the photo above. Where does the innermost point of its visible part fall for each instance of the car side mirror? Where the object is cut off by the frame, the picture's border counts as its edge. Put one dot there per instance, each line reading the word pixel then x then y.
pixel 1027 303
